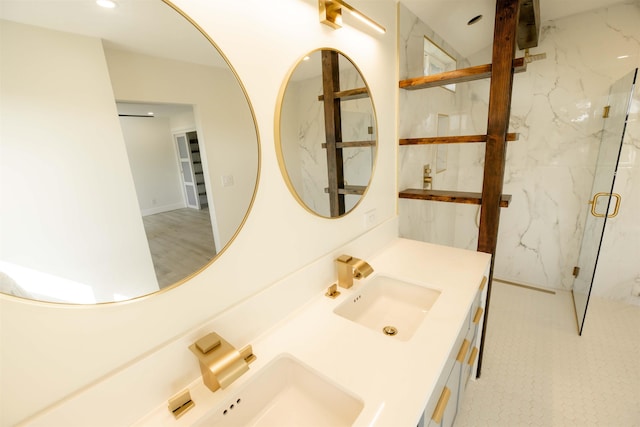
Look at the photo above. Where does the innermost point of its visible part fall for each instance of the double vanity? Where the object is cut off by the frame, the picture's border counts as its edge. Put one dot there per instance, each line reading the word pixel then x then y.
pixel 396 349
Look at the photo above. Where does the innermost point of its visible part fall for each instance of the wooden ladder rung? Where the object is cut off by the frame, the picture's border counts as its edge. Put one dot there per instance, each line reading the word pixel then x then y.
pixel 346 95
pixel 453 139
pixel 352 144
pixel 462 75
pixel 350 189
pixel 450 196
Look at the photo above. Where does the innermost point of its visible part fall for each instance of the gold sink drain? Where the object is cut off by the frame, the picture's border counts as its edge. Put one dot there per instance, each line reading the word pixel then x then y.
pixel 389 330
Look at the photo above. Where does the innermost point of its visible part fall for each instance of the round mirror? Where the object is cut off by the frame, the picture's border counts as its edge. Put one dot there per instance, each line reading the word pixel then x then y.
pixel 326 133
pixel 129 151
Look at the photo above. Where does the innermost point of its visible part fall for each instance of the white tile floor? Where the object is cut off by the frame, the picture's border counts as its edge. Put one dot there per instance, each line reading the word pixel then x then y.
pixel 537 371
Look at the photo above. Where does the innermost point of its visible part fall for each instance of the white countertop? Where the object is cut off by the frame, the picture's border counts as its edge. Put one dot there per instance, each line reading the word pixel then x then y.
pixel 393 378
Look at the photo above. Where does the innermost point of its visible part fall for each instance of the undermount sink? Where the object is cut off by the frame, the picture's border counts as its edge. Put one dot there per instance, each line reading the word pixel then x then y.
pixel 287 393
pixel 390 306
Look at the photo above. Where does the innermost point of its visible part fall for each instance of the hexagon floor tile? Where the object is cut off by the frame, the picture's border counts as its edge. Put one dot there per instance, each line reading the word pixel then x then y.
pixel 537 370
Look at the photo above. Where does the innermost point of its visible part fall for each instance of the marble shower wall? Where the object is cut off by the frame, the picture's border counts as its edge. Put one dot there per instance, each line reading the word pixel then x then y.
pixel 302 127
pixel 618 272
pixel 436 222
pixel 556 108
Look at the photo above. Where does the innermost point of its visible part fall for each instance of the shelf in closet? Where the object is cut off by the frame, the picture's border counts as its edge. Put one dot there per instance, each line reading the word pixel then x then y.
pixel 462 75
pixel 450 196
pixel 459 139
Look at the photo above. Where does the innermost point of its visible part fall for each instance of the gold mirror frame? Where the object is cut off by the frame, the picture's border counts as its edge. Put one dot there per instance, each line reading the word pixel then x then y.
pixel 342 189
pixel 249 201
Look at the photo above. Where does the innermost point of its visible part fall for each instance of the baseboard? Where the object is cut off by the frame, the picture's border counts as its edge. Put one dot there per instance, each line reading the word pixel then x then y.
pixel 160 209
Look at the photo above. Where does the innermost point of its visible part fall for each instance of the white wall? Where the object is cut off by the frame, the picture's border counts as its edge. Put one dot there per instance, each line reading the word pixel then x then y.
pixel 51 152
pixel 152 156
pixel 182 122
pixel 223 120
pixel 58 350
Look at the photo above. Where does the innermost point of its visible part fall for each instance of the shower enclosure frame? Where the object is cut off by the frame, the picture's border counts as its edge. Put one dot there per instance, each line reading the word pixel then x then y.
pixel 615 121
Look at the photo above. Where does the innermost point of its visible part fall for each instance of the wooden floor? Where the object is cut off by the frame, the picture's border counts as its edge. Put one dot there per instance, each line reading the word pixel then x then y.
pixel 181 242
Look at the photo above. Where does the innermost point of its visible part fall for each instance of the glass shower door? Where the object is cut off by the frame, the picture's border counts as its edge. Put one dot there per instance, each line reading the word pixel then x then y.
pixel 604 203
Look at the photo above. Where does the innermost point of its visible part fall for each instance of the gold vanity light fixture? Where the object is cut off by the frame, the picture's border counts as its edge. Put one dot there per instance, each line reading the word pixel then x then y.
pixel 331 15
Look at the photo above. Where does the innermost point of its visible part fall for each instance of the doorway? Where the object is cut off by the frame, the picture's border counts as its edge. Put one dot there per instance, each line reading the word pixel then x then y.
pixel 191 168
pixel 169 180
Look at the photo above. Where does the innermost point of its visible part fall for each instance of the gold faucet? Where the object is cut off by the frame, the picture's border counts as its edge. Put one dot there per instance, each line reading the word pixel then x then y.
pixel 220 363
pixel 350 268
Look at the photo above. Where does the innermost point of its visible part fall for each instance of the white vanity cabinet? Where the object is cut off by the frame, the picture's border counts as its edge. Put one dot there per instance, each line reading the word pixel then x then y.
pixel 443 405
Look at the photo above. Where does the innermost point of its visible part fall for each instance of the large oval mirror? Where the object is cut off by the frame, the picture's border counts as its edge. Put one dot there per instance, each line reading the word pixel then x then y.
pixel 129 152
pixel 326 133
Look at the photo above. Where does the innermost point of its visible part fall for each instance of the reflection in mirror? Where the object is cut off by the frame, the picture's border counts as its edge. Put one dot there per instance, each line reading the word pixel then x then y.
pixel 327 133
pixel 129 154
pixel 436 60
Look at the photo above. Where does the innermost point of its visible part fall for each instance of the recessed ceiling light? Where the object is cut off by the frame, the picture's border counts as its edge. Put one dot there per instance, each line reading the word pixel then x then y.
pixel 474 20
pixel 109 4
pixel 306 58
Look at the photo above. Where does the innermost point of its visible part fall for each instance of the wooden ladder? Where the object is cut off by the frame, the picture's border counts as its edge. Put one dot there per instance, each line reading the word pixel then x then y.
pixel 332 96
pixel 515 19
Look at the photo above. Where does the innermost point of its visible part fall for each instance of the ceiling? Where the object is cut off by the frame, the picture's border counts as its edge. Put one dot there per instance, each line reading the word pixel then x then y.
pixel 152 110
pixel 448 18
pixel 147 27
pixel 154 29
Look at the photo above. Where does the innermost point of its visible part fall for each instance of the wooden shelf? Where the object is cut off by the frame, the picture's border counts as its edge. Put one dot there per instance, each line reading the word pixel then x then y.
pixel 477 72
pixel 350 189
pixel 346 95
pixel 352 144
pixel 450 196
pixel 461 139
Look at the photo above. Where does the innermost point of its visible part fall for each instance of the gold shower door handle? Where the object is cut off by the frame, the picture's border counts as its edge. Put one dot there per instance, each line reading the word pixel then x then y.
pixel 594 202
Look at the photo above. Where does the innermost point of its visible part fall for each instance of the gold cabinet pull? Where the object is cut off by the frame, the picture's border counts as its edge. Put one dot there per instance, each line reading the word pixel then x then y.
pixel 594 202
pixel 441 406
pixel 478 315
pixel 463 350
pixel 483 282
pixel 474 354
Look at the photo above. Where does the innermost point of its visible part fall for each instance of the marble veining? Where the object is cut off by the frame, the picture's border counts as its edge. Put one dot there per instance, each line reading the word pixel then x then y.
pixel 618 272
pixel 306 159
pixel 556 108
pixel 557 111
pixel 434 222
